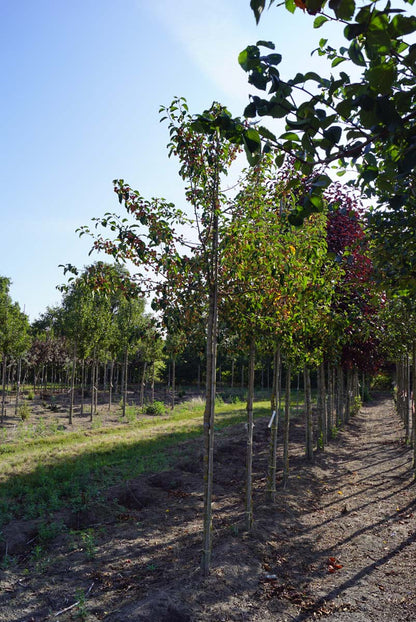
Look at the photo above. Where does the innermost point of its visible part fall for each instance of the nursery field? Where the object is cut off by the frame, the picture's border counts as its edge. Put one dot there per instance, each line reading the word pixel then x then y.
pixel 103 522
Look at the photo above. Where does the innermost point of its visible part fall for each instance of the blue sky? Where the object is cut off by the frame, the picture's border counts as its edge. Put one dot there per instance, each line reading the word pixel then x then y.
pixel 82 83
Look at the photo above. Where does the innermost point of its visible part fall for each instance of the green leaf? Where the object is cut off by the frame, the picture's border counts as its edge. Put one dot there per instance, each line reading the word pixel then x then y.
pixel 257 6
pixel 356 55
pixel 266 44
pixel 333 134
pixel 279 159
pixel 290 6
pixel 249 58
pixel 250 111
pixel 272 59
pixel 343 9
pixel 319 21
pixel 289 136
pixel 381 77
pixel 265 133
pixel 322 181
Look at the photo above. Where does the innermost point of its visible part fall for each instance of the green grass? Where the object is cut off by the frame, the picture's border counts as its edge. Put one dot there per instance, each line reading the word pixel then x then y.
pixel 41 475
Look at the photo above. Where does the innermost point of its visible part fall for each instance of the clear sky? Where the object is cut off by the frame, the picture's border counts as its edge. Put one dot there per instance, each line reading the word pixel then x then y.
pixel 82 83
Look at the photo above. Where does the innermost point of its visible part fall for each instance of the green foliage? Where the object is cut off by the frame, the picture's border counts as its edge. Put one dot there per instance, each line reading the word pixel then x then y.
pixel 24 411
pixel 356 405
pixel 155 408
pixel 367 122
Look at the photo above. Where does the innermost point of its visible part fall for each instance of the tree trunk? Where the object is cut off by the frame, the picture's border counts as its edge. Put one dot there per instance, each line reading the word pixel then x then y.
pixel 330 405
pixel 308 414
pixel 413 407
pixel 18 377
pixel 322 427
pixel 173 388
pixel 209 414
pixel 152 388
pixel 340 396
pixel 110 395
pixel 72 392
pixel 286 424
pixel 143 384
pixel 124 381
pixel 250 426
pixel 3 397
pixel 274 425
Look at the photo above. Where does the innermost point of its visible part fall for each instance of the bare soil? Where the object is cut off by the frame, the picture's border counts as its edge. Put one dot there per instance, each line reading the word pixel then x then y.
pixel 339 544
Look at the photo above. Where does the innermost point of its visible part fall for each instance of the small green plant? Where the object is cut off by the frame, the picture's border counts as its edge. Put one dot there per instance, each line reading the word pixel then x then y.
pixel 48 531
pixel 81 609
pixel 24 411
pixel 356 406
pixel 30 395
pixel 155 408
pixel 334 431
pixel 321 441
pixel 87 539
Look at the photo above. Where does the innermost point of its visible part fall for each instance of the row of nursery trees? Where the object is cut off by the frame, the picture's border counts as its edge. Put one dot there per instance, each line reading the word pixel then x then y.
pixel 237 275
pixel 241 275
pixel 94 338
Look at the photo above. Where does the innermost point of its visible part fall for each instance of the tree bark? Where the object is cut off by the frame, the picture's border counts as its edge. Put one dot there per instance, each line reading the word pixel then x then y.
pixel 209 414
pixel 308 414
pixel 271 476
pixel 72 391
pixel 18 377
pixel 250 426
pixel 286 425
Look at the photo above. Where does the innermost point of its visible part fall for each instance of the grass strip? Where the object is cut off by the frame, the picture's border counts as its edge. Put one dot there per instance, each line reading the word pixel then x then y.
pixel 43 475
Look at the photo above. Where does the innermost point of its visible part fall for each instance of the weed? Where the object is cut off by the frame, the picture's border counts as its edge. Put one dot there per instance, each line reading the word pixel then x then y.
pixel 321 441
pixel 334 431
pixel 24 411
pixel 81 609
pixel 48 531
pixel 356 406
pixel 30 395
pixel 155 408
pixel 87 539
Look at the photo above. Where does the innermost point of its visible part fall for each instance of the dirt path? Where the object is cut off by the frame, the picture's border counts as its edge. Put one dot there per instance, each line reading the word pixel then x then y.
pixel 364 520
pixel 340 543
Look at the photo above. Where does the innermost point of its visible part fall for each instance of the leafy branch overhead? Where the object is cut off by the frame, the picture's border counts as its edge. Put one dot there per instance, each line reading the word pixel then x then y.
pixel 369 121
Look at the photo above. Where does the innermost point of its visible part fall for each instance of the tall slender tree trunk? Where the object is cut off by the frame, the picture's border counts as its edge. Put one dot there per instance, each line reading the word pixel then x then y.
pixel 274 425
pixel 72 390
pixel 340 396
pixel 330 405
pixel 286 425
pixel 125 379
pixel 209 414
pixel 143 384
pixel 414 406
pixel 18 377
pixel 173 387
pixel 3 396
pixel 110 394
pixel 250 426
pixel 308 414
pixel 152 387
pixel 322 423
